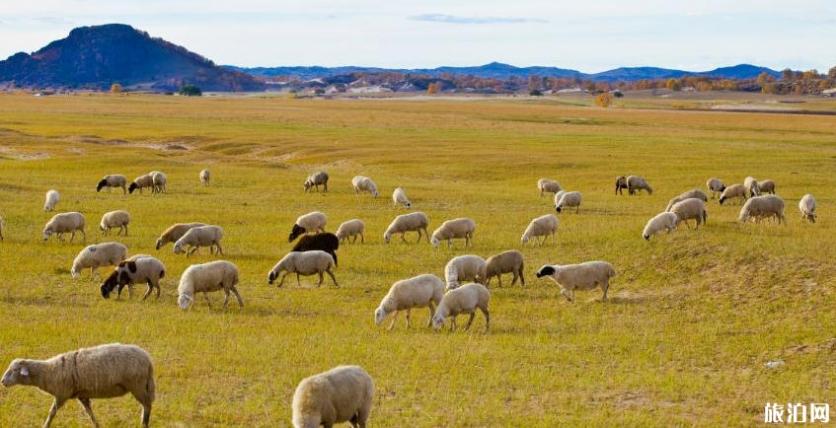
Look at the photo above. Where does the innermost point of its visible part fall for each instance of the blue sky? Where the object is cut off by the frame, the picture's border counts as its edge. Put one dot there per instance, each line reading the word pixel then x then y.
pixel 589 36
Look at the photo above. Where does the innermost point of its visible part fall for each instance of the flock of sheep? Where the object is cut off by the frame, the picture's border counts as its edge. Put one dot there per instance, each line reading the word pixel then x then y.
pixel 343 393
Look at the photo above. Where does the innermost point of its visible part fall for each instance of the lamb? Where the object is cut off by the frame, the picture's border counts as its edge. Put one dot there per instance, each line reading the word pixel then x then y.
pixel 141 182
pixel 454 229
pixel 715 186
pixel 315 180
pixel 158 179
pixel 399 197
pixel 760 207
pixel 463 300
pixel 807 206
pixel 547 185
pixel 311 222
pixel 691 208
pixel 751 186
pixel 327 242
pixel 465 268
pixel 662 221
pixel 420 291
pixel 344 393
pixel 104 371
pixel 113 219
pixel 62 223
pixel 568 200
pixel 510 261
pixel 412 222
pixel 205 176
pixel 544 226
pixel 620 184
pixel 137 269
pixel 581 276
pixel 636 183
pixel 175 232
pixel 766 186
pixel 351 229
pixel 206 277
pixel 52 198
pixel 201 236
pixel 97 255
pixel 113 180
pixel 695 193
pixel 303 263
pixel 364 184
pixel 733 191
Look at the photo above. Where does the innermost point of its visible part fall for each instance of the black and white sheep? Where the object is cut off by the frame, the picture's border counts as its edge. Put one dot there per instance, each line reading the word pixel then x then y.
pixel 113 180
pixel 342 394
pixel 141 182
pixel 208 277
pixel 135 270
pixel 303 263
pixel 581 276
pixel 463 300
pixel 60 224
pixel 311 222
pixel 319 178
pixel 510 261
pixel 733 191
pixel 420 291
pixel 412 222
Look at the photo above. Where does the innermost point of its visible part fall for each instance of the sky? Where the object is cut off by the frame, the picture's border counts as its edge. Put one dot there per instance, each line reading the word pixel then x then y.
pixel 589 36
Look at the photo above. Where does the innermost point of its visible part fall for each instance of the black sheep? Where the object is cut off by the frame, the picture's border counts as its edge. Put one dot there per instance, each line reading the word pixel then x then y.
pixel 327 242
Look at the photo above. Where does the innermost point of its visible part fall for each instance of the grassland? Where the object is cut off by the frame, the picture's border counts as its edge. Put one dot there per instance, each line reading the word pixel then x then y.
pixel 693 316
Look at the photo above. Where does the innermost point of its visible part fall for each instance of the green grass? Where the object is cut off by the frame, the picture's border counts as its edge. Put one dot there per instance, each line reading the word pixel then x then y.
pixel 692 319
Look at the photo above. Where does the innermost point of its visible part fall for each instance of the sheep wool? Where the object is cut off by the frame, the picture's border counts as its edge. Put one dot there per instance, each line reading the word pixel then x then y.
pixel 141 182
pixel 751 186
pixel 690 209
pixel 208 277
pixel 311 222
pixel 568 200
pixel 114 219
pixel 52 198
pixel 715 186
pixel 412 222
pixel 303 263
pixel 510 261
pixel 364 184
pixel 98 255
pixel 465 268
pixel 696 193
pixel 351 229
pixel 319 178
pixel 342 394
pixel 636 183
pixel 807 206
pixel 545 185
pixel 581 276
pixel 463 300
pixel 417 292
pixel 766 186
pixel 763 207
pixel 544 226
pixel 399 198
pixel 60 224
pixel 137 269
pixel 175 232
pixel 205 176
pixel 158 181
pixel 113 180
pixel 459 228
pixel 327 242
pixel 733 191
pixel 201 236
pixel 662 221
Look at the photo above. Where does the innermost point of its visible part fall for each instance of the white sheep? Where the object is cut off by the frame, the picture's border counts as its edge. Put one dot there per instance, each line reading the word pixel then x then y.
pixel 208 277
pixel 733 191
pixel 52 198
pixel 807 206
pixel 104 371
pixel 766 186
pixel 159 180
pixel 752 187
pixel 175 232
pixel 581 276
pixel 399 197
pixel 690 209
pixel 364 184
pixel 205 177
pixel 762 207
pixel 200 236
pixel 137 269
pixel 715 186
pixel 315 180
pixel 97 255
pixel 113 219
pixel 412 222
pixel 546 185
pixel 311 222
pixel 113 180
pixel 510 261
pixel 662 221
pixel 342 394
pixel 695 193
pixel 636 183
pixel 62 223
pixel 459 228
pixel 545 226
pixel 463 300
pixel 567 200
pixel 303 263
pixel 351 229
pixel 141 182
pixel 465 268
pixel 420 291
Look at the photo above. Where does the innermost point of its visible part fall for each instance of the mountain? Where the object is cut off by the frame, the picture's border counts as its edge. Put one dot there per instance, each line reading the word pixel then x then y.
pixel 96 57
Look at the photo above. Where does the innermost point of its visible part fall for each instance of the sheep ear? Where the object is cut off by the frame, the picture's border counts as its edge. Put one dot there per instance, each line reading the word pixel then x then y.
pixel 24 371
pixel 132 267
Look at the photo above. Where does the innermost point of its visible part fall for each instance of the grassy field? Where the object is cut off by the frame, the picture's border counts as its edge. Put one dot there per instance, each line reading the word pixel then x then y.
pixel 693 316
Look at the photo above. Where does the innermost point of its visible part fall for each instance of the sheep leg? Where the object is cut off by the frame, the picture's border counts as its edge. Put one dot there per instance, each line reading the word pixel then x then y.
pixel 226 298
pixel 394 318
pixel 605 286
pixel 321 278
pixel 237 296
pixel 298 284
pixel 470 320
pixel 206 296
pixel 333 278
pixel 281 281
pixel 499 278
pixel 130 291
pixel 432 311
pixel 566 294
pixel 219 249
pixel 192 251
pixel 403 237
pixel 86 403
pixel 487 318
pixel 409 318
pixel 363 239
pixel 56 404
pixel 72 236
pixel 453 323
pixel 148 292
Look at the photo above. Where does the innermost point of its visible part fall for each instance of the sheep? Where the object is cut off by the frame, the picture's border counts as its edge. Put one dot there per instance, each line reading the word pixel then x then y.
pixel 201 236
pixel 463 300
pixel 454 229
pixel 137 269
pixel 364 184
pixel 691 208
pixel 351 229
pixel 567 199
pixel 636 183
pixel 315 180
pixel 695 193
pixel 104 371
pixel 399 197
pixel 344 393
pixel 175 232
pixel 510 261
pixel 662 221
pixel 546 185
pixel 620 184
pixel 465 268
pixel 545 226
pixel 412 222
pixel 303 263
pixel 311 222
pixel 733 191
pixel 141 182
pixel 760 207
pixel 62 223
pixel 97 255
pixel 751 185
pixel 113 219
pixel 807 206
pixel 113 180
pixel 158 179
pixel 206 277
pixel 715 186
pixel 766 186
pixel 581 276
pixel 420 291
pixel 205 176
pixel 52 198
pixel 327 242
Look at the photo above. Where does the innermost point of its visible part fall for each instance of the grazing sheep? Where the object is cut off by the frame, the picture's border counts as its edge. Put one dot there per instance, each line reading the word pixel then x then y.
pixel 807 206
pixel 205 176
pixel 351 229
pixel 303 263
pixel 52 198
pixel 113 219
pixel 113 180
pixel 691 208
pixel 201 236
pixel 715 186
pixel 141 182
pixel 159 180
pixel 315 180
pixel 544 226
pixel 510 261
pixel 545 185
pixel 412 222
pixel 97 255
pixel 751 186
pixel 763 207
pixel 175 232
pixel 636 183
pixel 399 197
pixel 766 186
pixel 311 222
pixel 696 193
pixel 364 184
pixel 463 300
pixel 581 276
pixel 137 269
pixel 65 222
pixel 733 191
pixel 206 277
pixel 465 268
pixel 344 393
pixel 662 221
pixel 104 371
pixel 327 242
pixel 459 228
pixel 620 184
pixel 417 292
pixel 568 200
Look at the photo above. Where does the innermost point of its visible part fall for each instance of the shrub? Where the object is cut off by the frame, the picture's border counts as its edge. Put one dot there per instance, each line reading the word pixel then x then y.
pixel 190 91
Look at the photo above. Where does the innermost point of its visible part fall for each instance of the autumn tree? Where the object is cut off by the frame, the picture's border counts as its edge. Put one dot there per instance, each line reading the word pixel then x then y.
pixel 115 88
pixel 673 84
pixel 433 88
pixel 603 100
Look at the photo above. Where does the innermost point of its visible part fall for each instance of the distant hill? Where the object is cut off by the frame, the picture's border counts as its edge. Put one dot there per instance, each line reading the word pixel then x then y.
pixel 96 57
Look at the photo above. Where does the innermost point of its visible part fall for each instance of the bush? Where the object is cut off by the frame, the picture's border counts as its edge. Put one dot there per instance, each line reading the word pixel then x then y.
pixel 535 93
pixel 190 91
